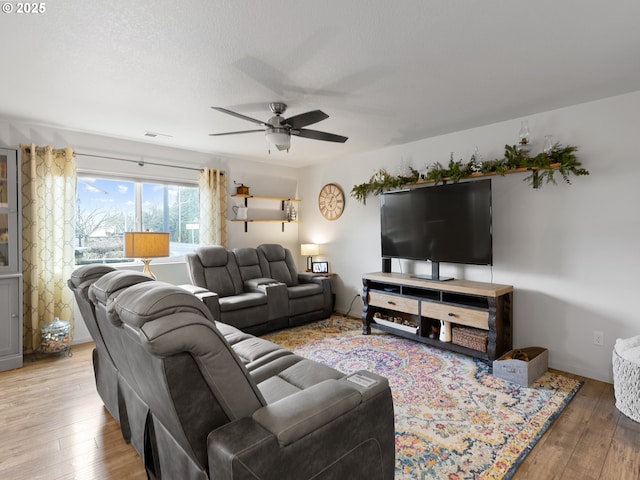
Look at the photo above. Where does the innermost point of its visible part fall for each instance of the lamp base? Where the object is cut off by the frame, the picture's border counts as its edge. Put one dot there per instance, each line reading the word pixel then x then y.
pixel 309 262
pixel 146 270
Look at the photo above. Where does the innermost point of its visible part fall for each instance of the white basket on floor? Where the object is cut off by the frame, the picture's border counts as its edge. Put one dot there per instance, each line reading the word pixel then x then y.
pixel 626 376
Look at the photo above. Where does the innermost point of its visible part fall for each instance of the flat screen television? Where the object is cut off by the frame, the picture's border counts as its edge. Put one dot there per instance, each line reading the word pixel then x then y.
pixel 446 223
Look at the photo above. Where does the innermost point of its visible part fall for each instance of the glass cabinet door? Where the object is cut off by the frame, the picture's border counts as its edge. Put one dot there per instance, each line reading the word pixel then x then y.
pixel 8 212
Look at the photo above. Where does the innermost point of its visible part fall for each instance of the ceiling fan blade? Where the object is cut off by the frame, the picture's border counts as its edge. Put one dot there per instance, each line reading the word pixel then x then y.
pixel 316 135
pixel 234 133
pixel 239 115
pixel 304 119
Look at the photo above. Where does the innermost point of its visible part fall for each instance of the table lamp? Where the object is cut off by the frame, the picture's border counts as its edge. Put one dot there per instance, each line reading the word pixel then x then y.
pixel 146 245
pixel 309 250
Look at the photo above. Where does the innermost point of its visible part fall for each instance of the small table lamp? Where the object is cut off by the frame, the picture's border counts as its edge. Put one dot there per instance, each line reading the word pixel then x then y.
pixel 146 245
pixel 308 250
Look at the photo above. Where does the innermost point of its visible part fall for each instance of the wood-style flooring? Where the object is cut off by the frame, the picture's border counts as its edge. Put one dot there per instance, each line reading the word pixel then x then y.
pixel 54 426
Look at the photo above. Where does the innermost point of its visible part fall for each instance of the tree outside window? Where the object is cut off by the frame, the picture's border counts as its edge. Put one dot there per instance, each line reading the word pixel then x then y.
pixel 106 208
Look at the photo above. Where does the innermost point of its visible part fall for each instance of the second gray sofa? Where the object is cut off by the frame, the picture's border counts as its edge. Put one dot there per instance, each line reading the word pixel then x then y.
pixel 257 289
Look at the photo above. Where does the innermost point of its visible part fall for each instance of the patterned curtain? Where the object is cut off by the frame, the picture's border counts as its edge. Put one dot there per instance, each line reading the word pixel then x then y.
pixel 213 207
pixel 48 216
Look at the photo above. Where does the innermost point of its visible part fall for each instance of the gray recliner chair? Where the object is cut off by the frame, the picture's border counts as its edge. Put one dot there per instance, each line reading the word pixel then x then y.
pixel 215 269
pixel 133 411
pixel 309 295
pixel 210 417
pixel 104 369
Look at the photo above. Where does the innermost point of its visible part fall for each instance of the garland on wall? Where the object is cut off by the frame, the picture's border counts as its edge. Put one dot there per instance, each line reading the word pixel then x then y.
pixel 542 167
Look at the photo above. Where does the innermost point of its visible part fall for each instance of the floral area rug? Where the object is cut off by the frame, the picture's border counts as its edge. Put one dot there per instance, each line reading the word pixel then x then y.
pixel 453 418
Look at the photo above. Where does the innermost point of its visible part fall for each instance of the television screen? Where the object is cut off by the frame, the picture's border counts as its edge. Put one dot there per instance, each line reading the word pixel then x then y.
pixel 447 223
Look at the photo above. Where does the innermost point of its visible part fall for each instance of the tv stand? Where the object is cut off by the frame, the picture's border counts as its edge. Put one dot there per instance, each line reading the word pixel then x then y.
pixel 435 274
pixel 425 303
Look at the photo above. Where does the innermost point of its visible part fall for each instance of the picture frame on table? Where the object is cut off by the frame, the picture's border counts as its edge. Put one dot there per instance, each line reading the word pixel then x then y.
pixel 320 267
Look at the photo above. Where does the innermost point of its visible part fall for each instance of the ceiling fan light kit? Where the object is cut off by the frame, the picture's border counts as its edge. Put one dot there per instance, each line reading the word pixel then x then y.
pixel 278 130
pixel 278 137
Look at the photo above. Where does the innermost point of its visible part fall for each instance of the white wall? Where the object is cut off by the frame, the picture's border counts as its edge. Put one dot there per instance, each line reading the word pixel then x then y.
pixel 262 179
pixel 570 251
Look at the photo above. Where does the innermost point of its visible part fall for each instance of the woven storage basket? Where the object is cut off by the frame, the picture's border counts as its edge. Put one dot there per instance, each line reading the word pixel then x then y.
pixel 626 386
pixel 473 338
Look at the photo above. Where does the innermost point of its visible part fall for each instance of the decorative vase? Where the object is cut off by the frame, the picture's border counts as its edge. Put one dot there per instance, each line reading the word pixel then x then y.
pixel 290 212
pixel 525 137
pixel 240 211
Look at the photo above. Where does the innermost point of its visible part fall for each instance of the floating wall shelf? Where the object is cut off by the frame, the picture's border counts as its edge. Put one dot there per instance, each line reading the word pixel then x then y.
pixel 282 201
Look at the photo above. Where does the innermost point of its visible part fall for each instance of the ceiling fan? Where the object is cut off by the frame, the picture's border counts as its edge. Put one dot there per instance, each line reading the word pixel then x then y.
pixel 278 130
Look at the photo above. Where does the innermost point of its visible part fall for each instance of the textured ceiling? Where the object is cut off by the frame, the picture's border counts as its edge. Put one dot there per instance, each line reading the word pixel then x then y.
pixel 387 72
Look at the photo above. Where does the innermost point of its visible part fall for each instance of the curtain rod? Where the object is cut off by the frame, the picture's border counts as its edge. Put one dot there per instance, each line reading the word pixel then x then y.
pixel 142 163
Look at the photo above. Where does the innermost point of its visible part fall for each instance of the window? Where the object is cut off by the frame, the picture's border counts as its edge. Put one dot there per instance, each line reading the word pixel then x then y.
pixel 108 207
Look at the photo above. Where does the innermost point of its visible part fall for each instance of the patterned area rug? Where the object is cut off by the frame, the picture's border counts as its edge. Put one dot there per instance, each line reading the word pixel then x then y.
pixel 454 420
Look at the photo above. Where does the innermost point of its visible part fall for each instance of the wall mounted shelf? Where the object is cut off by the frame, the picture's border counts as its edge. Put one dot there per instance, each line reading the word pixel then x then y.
pixel 553 166
pixel 282 201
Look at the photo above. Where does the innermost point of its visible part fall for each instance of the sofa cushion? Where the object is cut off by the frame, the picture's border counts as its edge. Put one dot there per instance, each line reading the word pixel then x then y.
pixel 181 332
pixel 214 267
pixel 277 262
pixel 220 280
pixel 144 302
pixel 88 272
pixel 248 263
pixel 300 375
pixel 113 282
pixel 212 256
pixel 241 301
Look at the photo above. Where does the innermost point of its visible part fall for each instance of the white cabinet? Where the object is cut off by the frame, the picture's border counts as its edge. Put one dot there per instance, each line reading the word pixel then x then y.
pixel 10 263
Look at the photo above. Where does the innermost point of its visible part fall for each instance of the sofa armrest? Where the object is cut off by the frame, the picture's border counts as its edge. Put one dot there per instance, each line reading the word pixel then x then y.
pixel 306 277
pixel 259 284
pixel 325 283
pixel 299 414
pixel 209 298
pixel 276 292
pixel 322 280
pixel 245 449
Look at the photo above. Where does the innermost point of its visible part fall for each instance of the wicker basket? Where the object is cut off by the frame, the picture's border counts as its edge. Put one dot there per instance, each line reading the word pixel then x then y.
pixel 626 385
pixel 472 338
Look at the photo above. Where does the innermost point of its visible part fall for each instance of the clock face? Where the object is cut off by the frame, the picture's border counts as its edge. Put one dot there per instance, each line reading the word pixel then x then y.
pixel 331 201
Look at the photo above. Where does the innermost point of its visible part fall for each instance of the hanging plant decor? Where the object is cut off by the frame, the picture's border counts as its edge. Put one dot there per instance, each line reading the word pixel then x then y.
pixel 542 170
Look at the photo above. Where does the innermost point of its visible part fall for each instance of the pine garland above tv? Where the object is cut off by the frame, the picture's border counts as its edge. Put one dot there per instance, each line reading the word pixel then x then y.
pixel 542 167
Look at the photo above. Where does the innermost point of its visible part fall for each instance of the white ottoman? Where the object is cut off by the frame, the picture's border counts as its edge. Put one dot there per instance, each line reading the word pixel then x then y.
pixel 626 376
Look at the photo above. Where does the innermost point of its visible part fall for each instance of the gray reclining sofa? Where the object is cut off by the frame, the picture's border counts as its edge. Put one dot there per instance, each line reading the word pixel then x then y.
pixel 201 399
pixel 257 289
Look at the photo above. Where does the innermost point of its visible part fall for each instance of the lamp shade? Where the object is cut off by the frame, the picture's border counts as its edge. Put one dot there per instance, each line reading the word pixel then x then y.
pixel 146 244
pixel 309 249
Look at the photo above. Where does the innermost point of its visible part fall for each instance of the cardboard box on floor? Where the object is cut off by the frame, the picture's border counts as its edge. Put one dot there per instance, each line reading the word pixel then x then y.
pixel 521 372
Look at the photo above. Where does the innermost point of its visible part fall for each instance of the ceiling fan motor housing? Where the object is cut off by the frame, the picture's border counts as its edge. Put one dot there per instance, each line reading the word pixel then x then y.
pixel 278 107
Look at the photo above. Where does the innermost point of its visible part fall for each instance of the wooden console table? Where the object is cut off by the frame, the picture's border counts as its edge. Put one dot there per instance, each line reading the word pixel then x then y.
pixel 485 306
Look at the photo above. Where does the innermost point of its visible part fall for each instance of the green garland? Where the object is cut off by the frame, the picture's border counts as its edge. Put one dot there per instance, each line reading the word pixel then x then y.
pixel 542 167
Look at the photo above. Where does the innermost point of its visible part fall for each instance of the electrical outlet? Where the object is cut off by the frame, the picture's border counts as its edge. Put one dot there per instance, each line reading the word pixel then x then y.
pixel 598 337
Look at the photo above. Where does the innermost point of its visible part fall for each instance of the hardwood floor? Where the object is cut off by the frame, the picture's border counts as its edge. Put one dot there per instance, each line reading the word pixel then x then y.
pixel 54 427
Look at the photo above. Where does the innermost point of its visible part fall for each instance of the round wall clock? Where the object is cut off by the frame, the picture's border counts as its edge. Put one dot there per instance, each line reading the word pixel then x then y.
pixel 331 201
